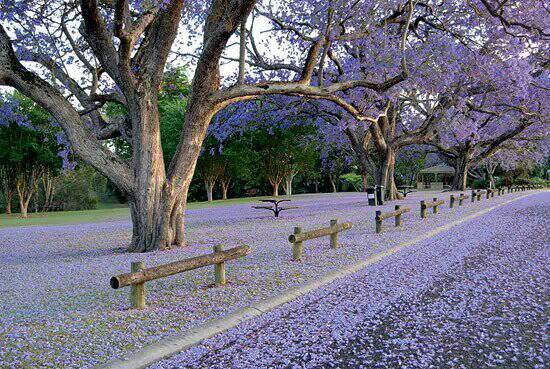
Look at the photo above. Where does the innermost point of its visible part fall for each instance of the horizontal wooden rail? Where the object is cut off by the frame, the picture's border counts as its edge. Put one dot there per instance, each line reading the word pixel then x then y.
pixel 397 213
pixel 424 206
pixel 298 237
pixel 139 274
pixel 479 193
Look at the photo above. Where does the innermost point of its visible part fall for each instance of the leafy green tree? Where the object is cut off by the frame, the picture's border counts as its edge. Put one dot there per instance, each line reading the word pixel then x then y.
pixel 28 150
pixel 280 154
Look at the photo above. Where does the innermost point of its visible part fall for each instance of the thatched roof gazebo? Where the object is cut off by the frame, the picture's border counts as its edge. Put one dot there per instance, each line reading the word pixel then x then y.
pixel 435 178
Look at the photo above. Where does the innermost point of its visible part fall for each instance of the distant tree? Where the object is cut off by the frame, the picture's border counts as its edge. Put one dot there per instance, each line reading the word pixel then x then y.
pixel 209 168
pixel 29 149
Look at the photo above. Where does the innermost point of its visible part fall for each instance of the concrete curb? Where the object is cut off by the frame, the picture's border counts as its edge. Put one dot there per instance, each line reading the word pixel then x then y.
pixel 171 346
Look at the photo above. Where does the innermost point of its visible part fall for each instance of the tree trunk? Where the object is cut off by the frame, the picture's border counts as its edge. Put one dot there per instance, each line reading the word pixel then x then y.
pixel 225 187
pixel 490 175
pixel 386 175
pixel 333 183
pixel 23 208
pixel 47 184
pixel 288 185
pixel 24 200
pixel 156 207
pixel 364 182
pixel 209 185
pixel 275 189
pixel 461 172
pixel 8 196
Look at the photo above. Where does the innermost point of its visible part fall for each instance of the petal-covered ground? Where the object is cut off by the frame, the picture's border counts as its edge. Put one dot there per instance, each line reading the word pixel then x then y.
pixel 475 296
pixel 58 311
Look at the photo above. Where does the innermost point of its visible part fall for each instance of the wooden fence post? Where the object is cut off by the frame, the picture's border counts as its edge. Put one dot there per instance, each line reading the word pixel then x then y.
pixel 334 235
pixel 219 268
pixel 452 201
pixel 473 196
pixel 137 292
pixel 461 199
pixel 378 221
pixel 436 207
pixel 398 216
pixel 488 193
pixel 297 246
pixel 422 209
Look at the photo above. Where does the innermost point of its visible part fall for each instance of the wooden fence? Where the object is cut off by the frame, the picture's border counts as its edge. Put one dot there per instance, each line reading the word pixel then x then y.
pixel 424 206
pixel 394 214
pixel 299 237
pixel 139 274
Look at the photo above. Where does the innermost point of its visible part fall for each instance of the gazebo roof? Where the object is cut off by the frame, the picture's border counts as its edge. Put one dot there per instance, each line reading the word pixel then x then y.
pixel 439 169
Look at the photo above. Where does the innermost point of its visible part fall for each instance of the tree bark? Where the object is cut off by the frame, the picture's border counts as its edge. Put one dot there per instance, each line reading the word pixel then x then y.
pixel 490 170
pixel 364 182
pixel 25 196
pixel 460 178
pixel 225 188
pixel 275 185
pixel 209 190
pixel 288 184
pixel 155 206
pixel 8 196
pixel 23 208
pixel 47 184
pixel 275 189
pixel 333 183
pixel 386 174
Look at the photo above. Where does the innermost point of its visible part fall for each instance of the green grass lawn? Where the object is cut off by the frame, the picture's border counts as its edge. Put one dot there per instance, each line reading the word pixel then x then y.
pixel 105 212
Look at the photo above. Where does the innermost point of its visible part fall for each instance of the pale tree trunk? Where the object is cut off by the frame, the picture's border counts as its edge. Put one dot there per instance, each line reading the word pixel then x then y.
pixel 209 185
pixel 490 170
pixel 288 183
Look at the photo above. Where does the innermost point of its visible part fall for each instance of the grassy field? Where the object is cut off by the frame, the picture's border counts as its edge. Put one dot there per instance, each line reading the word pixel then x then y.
pixel 105 212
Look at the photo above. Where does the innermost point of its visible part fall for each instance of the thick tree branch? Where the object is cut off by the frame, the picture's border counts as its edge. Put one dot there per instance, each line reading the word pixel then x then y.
pixel 15 75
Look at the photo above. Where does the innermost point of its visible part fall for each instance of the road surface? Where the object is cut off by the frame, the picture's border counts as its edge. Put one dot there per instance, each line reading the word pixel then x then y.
pixel 474 296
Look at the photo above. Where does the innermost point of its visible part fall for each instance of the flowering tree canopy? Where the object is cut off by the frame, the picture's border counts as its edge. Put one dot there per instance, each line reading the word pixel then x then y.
pixel 72 57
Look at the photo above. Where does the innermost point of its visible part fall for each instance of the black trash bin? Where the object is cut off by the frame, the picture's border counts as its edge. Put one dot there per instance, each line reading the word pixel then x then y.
pixel 380 195
pixel 371 195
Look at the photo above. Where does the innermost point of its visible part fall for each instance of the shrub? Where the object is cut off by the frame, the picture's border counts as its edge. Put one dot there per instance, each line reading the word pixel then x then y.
pixel 352 179
pixel 80 189
pixel 480 183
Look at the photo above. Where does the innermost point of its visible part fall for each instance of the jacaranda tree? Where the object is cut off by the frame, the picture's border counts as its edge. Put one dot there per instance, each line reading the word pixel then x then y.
pixel 72 57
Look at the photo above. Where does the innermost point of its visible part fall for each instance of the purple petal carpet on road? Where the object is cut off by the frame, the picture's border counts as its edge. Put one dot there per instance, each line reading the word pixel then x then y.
pixel 58 311
pixel 474 296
